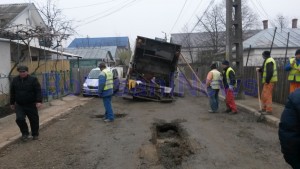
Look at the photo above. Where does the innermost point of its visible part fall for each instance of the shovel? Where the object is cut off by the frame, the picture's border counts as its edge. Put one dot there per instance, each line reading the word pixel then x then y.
pixel 261 117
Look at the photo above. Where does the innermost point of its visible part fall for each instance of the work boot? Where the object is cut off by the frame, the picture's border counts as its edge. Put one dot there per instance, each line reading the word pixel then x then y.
pixel 268 113
pixel 24 137
pixel 211 111
pixel 227 111
pixel 35 137
pixel 262 110
pixel 233 113
pixel 108 120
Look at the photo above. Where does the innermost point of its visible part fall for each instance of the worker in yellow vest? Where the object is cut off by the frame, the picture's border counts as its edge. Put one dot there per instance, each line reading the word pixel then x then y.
pixel 230 84
pixel 105 90
pixel 213 82
pixel 294 68
pixel 269 78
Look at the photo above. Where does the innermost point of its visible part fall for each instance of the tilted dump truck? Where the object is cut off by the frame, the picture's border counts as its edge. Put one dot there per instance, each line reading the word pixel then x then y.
pixel 152 70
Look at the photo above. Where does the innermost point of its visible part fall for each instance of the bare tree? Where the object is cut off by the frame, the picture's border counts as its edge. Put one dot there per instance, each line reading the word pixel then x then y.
pixel 214 23
pixel 249 18
pixel 187 42
pixel 124 57
pixel 281 21
pixel 25 35
pixel 59 27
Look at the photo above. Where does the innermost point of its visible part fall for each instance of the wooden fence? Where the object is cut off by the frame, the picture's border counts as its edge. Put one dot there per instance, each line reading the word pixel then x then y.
pixel 78 78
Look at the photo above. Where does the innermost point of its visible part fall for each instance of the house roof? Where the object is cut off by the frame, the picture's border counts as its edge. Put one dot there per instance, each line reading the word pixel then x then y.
pixel 264 38
pixel 203 39
pixel 190 39
pixel 94 53
pixel 10 11
pixel 99 42
pixel 65 53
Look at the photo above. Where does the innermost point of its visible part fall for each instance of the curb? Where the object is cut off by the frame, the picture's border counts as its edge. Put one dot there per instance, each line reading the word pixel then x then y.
pixel 272 120
pixel 43 124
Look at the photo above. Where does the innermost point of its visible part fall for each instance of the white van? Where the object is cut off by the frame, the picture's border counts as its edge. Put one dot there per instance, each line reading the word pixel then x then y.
pixel 90 85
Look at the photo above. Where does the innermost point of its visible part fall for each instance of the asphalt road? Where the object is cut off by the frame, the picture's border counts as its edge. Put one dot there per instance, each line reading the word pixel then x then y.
pixel 144 137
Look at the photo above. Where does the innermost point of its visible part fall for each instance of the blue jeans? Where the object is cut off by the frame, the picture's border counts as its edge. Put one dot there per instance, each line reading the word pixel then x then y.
pixel 213 95
pixel 109 114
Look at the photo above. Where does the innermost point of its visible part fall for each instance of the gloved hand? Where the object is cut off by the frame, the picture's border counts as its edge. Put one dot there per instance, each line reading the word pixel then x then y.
pixel 231 87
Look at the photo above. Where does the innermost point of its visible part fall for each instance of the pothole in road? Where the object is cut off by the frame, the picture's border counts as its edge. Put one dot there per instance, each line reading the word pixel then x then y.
pixel 172 144
pixel 117 115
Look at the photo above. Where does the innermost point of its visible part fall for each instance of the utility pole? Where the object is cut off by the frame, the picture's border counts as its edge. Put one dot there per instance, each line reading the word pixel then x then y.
pixel 234 38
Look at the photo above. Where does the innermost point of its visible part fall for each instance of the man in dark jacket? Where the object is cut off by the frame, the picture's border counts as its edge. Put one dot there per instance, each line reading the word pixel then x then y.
pixel 289 130
pixel 229 82
pixel 269 78
pixel 25 99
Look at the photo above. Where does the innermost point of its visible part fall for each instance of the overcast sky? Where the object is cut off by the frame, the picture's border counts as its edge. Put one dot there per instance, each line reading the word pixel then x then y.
pixel 151 18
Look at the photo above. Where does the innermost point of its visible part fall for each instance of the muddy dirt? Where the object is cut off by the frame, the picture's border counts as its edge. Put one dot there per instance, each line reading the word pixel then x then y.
pixel 211 141
pixel 172 144
pixel 5 111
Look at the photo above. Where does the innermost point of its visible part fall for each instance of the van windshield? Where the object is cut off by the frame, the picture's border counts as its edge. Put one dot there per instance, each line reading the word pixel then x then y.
pixel 94 74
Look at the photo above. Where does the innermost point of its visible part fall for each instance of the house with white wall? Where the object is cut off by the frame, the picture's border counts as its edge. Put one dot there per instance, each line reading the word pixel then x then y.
pixel 4 70
pixel 283 48
pixel 16 48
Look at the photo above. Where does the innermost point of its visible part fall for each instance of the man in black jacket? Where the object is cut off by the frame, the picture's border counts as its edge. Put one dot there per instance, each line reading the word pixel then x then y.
pixel 25 99
pixel 289 130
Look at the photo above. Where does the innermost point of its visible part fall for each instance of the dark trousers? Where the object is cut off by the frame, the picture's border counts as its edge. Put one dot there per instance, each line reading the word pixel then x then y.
pixel 293 160
pixel 32 113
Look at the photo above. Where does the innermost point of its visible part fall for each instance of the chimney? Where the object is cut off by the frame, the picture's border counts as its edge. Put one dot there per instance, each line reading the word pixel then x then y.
pixel 265 23
pixel 294 23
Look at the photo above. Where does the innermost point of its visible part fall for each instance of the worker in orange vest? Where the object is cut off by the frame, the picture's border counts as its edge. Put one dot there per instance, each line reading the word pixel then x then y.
pixel 294 68
pixel 269 78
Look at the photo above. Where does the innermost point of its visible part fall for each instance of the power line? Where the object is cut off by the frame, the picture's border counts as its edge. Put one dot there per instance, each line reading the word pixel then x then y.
pixel 272 21
pixel 95 4
pixel 259 3
pixel 117 10
pixel 178 16
pixel 195 11
pixel 200 19
pixel 102 12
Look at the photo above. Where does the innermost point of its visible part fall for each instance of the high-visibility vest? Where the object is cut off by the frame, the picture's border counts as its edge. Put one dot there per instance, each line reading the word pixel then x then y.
pixel 274 77
pixel 109 84
pixel 294 74
pixel 215 83
pixel 227 76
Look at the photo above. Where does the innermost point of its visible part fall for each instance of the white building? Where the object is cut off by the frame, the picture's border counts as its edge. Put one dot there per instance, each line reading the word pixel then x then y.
pixel 15 19
pixel 262 41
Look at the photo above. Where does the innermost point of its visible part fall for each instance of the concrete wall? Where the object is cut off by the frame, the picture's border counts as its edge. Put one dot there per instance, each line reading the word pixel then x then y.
pixel 4 71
